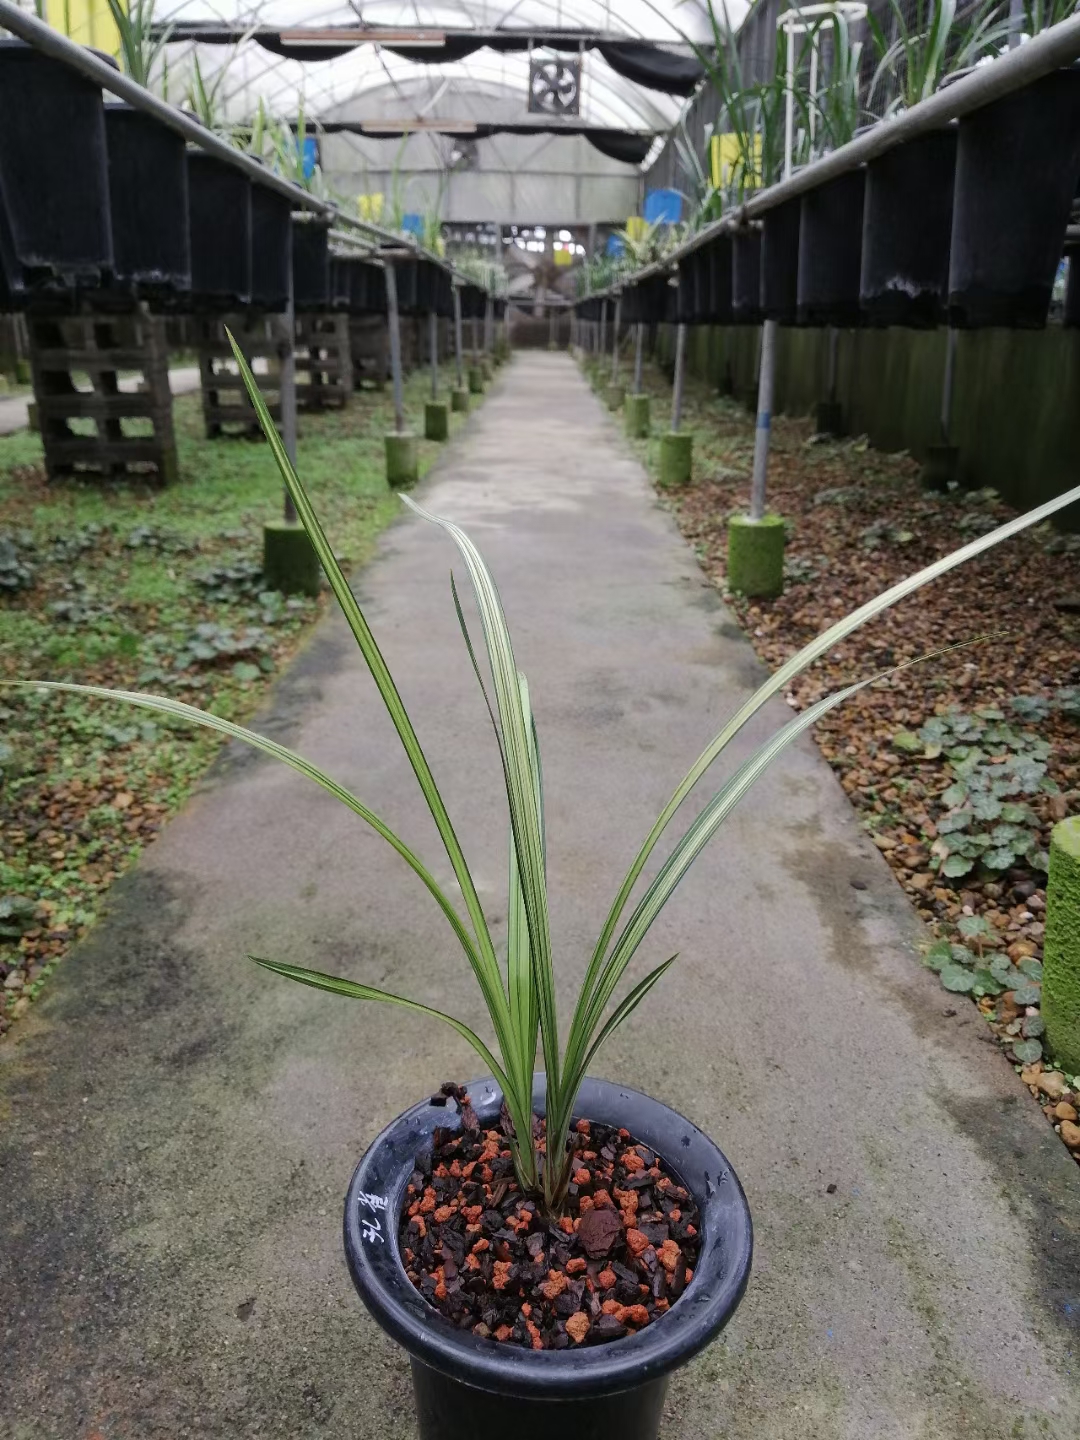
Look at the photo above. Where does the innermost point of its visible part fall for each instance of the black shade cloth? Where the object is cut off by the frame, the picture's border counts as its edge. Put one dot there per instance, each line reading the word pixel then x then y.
pixel 638 60
pixel 628 146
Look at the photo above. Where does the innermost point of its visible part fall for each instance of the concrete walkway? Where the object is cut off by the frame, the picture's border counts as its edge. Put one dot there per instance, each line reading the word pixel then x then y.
pixel 178 1129
pixel 14 414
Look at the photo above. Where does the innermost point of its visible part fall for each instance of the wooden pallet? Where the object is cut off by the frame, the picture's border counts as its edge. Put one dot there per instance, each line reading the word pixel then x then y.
pixel 324 369
pixel 89 425
pixel 226 407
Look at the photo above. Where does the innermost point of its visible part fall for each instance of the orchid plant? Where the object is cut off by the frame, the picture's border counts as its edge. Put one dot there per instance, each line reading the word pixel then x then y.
pixel 519 990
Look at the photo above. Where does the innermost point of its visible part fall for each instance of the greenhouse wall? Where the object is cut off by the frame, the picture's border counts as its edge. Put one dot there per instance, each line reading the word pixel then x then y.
pixel 1014 416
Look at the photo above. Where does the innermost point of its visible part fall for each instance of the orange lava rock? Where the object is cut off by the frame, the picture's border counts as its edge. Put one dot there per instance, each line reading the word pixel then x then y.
pixel 577 1327
pixel 632 1161
pixel 467 1170
pixel 421 1225
pixel 635 1315
pixel 675 1215
pixel 627 1200
pixel 443 1213
pixel 501 1278
pixel 602 1199
pixel 691 1229
pixel 583 1127
pixel 606 1279
pixel 455 1170
pixel 440 1291
pixel 472 1262
pixel 575 1266
pixel 526 1309
pixel 662 1306
pixel 472 1213
pixel 637 1242
pixel 427 1204
pixel 610 1307
pixel 669 1255
pixel 582 1177
pixel 554 1285
pixel 689 1275
pixel 624 1134
pixel 534 1331
pixel 441 1172
pixel 504 1332
pixel 585 1203
pixel 566 1225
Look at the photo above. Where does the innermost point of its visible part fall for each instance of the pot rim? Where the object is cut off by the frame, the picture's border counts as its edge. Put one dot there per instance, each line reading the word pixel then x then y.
pixel 373 1207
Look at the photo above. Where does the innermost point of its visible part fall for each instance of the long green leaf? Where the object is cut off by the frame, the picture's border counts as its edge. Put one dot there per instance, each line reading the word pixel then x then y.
pixel 520 784
pixel 487 968
pixel 181 711
pixel 780 680
pixel 355 991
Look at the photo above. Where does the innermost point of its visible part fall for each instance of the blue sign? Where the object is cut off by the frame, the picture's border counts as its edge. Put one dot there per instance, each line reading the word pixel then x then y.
pixel 616 246
pixel 310 155
pixel 663 207
pixel 414 223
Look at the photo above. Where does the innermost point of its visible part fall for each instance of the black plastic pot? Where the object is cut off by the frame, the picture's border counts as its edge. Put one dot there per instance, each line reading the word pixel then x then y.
pixel 311 264
pixel 148 201
pixel 687 301
pixel 746 277
pixel 367 289
pixel 53 172
pixel 780 263
pixel 470 1388
pixel 444 295
pixel 907 222
pixel 1017 166
pixel 271 250
pixel 718 268
pixel 830 248
pixel 409 287
pixel 219 213
pixel 341 270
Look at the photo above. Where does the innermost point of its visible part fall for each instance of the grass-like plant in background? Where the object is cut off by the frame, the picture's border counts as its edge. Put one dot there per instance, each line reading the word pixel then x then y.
pixel 519 994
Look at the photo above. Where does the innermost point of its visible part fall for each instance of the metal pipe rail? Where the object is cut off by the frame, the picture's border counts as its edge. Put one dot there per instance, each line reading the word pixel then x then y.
pixel 1054 47
pixel 51 42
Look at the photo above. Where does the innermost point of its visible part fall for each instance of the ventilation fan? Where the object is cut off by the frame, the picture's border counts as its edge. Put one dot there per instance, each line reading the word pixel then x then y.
pixel 554 87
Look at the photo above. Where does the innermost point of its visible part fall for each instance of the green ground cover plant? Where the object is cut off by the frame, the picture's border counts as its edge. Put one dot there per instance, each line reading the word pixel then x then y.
pixel 124 585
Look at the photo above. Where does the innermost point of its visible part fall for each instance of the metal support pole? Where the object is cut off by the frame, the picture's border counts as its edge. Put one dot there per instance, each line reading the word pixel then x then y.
pixel 764 420
pixel 433 351
pixel 472 337
pixel 458 343
pixel 551 327
pixel 506 327
pixel 287 392
pixel 830 374
pixel 603 326
pixel 680 361
pixel 615 343
pixel 489 325
pixel 947 387
pixel 639 340
pixel 395 346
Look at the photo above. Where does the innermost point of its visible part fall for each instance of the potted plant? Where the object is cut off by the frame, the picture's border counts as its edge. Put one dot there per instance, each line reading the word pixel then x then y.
pixel 271 250
pixel 148 203
pixel 53 172
pixel 219 216
pixel 612 1232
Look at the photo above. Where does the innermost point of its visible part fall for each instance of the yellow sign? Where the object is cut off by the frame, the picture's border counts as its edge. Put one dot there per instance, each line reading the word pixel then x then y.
pixel 565 256
pixel 637 227
pixel 726 158
pixel 88 22
pixel 370 208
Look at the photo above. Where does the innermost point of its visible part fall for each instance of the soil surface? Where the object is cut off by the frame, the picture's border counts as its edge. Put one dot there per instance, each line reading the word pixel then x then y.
pixel 488 1260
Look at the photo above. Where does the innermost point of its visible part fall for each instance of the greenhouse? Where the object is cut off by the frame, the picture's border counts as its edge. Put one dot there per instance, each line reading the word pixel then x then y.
pixel 468 472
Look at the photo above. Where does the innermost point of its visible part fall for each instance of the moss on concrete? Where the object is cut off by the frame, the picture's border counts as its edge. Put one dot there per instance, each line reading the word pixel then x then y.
pixel 436 420
pixel 1061 953
pixel 676 457
pixel 459 401
pixel 476 380
pixel 289 560
pixel 636 416
pixel 756 555
pixel 402 461
pixel 615 395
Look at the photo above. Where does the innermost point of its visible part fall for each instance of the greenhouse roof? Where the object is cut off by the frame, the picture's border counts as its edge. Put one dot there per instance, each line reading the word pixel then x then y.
pixel 451 64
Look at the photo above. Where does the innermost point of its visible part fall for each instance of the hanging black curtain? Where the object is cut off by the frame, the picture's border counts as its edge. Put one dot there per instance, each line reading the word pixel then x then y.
pixel 622 145
pixel 657 69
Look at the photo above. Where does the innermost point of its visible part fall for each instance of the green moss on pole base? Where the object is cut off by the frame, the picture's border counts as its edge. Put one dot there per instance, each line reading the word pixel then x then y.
pixel 615 396
pixel 32 421
pixel 1061 948
pixel 401 461
pixel 676 458
pixel 756 555
pixel 476 380
pixel 289 560
pixel 459 401
pixel 436 420
pixel 636 416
